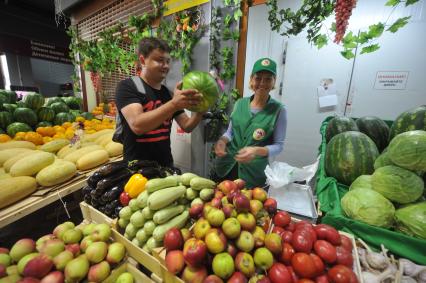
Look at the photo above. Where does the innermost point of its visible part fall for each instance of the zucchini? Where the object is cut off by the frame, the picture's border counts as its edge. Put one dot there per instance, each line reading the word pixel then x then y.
pixel 164 215
pixel 152 244
pixel 142 199
pixel 178 222
pixel 187 177
pixel 147 213
pixel 206 194
pixel 162 198
pixel 199 183
pixel 160 183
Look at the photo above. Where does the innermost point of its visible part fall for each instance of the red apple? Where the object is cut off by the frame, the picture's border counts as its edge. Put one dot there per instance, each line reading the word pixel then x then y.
pixel 259 237
pixel 279 273
pixel 200 228
pixel 3 272
pixel 270 205
pixel 224 200
pixel 259 194
pixel 175 261
pixel 237 277
pixel 247 221
pixel 245 264
pixel 282 218
pixel 240 183
pixel 232 194
pixel 231 250
pixel 194 274
pixel 213 279
pixel 196 210
pixel 273 243
pixel 255 207
pixel 264 279
pixel 173 239
pixel 241 203
pixel 74 248
pixel 4 250
pixel 215 240
pixel 218 194
pixel 227 186
pixel 206 209
pixel 194 252
pixel 229 210
pixel 216 202
pixel 247 193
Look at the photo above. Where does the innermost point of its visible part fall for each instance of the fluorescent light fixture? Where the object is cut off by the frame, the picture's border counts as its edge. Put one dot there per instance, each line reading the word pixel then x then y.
pixel 5 71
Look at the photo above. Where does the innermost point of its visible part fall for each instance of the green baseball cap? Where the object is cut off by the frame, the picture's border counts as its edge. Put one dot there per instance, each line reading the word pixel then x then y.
pixel 265 64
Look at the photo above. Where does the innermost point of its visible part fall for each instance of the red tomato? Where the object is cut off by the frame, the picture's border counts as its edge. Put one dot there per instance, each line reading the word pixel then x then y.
pixel 287 253
pixel 302 241
pixel 304 280
pixel 346 243
pixel 322 279
pixel 344 257
pixel 341 274
pixel 291 227
pixel 278 230
pixel 325 251
pixel 282 218
pixel 327 232
pixel 293 274
pixel 303 265
pixel 319 264
pixel 124 199
pixel 303 223
pixel 286 236
pixel 278 273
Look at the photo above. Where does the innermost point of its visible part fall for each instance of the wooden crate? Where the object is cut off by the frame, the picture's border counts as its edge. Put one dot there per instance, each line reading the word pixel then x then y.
pixel 91 214
pixel 160 255
pixel 130 267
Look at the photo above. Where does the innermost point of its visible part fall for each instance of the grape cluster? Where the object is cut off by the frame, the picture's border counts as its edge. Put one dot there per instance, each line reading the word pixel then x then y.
pixel 94 76
pixel 343 11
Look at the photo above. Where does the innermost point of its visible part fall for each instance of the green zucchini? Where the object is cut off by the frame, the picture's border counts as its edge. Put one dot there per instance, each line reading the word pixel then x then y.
pixel 164 215
pixel 163 198
pixel 178 222
pixel 160 183
pixel 199 183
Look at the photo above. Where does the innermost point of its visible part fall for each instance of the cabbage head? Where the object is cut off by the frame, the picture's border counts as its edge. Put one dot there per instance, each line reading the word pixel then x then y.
pixel 368 206
pixel 411 220
pixel 383 160
pixel 397 184
pixel 206 85
pixel 408 150
pixel 363 181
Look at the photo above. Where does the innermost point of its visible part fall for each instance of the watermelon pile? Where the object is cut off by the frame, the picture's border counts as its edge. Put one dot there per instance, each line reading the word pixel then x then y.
pixel 33 111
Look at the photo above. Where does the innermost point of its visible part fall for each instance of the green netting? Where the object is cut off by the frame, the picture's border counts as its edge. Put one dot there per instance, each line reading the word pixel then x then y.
pixel 329 193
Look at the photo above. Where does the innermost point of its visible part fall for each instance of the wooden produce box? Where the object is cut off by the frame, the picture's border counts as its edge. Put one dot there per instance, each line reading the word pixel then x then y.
pixel 129 266
pixel 168 277
pixel 91 214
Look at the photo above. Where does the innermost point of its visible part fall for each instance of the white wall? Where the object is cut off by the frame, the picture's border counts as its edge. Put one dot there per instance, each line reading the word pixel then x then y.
pixel 306 66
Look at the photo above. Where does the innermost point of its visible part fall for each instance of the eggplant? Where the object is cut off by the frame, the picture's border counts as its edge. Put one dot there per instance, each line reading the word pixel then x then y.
pixel 138 164
pixel 94 179
pixel 150 172
pixel 114 192
pixel 87 198
pixel 118 208
pixel 94 202
pixel 111 181
pixel 170 171
pixel 86 190
pixel 111 168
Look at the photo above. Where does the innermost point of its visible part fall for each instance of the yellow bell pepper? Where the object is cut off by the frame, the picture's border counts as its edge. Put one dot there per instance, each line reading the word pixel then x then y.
pixel 135 185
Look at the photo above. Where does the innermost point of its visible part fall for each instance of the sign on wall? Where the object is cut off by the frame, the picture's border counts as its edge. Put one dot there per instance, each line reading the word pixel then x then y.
pixel 174 6
pixel 391 80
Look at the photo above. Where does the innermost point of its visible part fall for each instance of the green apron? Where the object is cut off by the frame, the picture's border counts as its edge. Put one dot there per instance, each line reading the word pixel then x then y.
pixel 249 130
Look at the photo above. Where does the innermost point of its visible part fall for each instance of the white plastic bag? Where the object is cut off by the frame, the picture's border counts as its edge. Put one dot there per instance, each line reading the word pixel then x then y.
pixel 279 174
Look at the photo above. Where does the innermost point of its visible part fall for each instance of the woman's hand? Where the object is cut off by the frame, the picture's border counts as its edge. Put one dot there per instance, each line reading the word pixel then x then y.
pixel 220 148
pixel 246 154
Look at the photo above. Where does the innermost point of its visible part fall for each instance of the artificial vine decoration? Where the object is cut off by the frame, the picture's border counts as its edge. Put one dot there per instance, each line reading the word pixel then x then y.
pixel 312 15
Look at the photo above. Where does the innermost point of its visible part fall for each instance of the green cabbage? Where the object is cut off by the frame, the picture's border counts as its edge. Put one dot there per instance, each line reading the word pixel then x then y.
pixel 411 220
pixel 363 181
pixel 368 206
pixel 397 184
pixel 383 160
pixel 206 85
pixel 408 150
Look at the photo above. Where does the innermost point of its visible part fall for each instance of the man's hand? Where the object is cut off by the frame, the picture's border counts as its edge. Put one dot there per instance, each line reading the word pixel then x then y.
pixel 220 148
pixel 246 154
pixel 185 98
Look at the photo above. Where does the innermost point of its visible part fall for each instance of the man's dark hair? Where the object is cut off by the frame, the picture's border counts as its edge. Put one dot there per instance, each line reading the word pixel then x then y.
pixel 148 44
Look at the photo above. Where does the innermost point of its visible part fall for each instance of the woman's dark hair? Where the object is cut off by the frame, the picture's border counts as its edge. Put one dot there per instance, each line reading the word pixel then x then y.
pixel 148 44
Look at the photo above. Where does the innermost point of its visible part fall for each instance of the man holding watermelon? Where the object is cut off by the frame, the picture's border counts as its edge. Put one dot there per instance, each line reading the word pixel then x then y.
pixel 256 130
pixel 146 107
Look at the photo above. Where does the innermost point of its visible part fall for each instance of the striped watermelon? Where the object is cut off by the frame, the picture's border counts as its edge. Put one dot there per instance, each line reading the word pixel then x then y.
pixel 59 107
pixel 376 129
pixel 349 155
pixel 34 100
pixel 5 119
pixel 10 107
pixel 21 104
pixel 74 103
pixel 408 150
pixel 63 117
pixel 413 119
pixel 43 124
pixel 10 95
pixel 87 115
pixel 25 115
pixel 52 100
pixel 339 125
pixel 46 114
pixel 16 127
pixel 3 100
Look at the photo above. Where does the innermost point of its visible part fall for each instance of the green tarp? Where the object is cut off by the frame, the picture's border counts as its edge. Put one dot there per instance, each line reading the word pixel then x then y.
pixel 329 193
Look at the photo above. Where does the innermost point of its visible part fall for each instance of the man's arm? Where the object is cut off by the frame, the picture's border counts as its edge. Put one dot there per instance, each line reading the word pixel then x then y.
pixel 188 123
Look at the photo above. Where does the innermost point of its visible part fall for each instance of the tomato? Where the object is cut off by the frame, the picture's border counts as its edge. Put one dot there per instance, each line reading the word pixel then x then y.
pixel 346 243
pixel 278 273
pixel 322 279
pixel 344 257
pixel 327 232
pixel 303 223
pixel 319 264
pixel 287 253
pixel 341 274
pixel 278 230
pixel 302 240
pixel 282 218
pixel 293 274
pixel 304 280
pixel 325 251
pixel 287 236
pixel 291 227
pixel 124 199
pixel 303 265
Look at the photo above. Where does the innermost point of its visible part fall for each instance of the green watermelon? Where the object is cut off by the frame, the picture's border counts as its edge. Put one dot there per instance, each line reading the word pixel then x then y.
pixel 43 124
pixel 87 115
pixel 383 160
pixel 75 114
pixel 376 129
pixel 339 125
pixel 10 107
pixel 46 114
pixel 52 100
pixel 349 155
pixel 63 117
pixel 74 103
pixel 59 107
pixel 21 104
pixel 25 115
pixel 10 95
pixel 408 150
pixel 3 100
pixel 5 119
pixel 413 119
pixel 34 100
pixel 16 127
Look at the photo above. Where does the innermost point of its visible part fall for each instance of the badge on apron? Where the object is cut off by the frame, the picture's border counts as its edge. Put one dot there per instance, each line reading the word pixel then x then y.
pixel 258 134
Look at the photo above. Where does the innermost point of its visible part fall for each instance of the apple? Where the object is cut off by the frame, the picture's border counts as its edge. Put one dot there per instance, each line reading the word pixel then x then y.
pixel 218 194
pixel 245 241
pixel 215 217
pixel 231 249
pixel 216 202
pixel 259 237
pixel 231 228
pixel 196 210
pixel 206 209
pixel 240 183
pixel 223 265
pixel 278 230
pixel 173 239
pixel 213 279
pixel 224 200
pixel 245 264
pixel 247 221
pixel 255 207
pixel 247 193
pixel 175 261
pixel 281 218
pixel 270 205
pixel 227 186
pixel 215 240
pixel 273 243
pixel 194 252
pixel 194 274
pixel 259 194
pixel 200 228
pixel 237 277
pixel 232 194
pixel 241 203
pixel 279 273
pixel 186 234
pixel 263 258
pixel 229 210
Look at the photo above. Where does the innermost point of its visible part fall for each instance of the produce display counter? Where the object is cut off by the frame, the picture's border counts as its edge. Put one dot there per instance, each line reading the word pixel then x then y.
pixel 330 192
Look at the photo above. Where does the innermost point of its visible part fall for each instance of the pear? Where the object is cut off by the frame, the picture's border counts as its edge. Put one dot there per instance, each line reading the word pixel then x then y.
pixel 76 269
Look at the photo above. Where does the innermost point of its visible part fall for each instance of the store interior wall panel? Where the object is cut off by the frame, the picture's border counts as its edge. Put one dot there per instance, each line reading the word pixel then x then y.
pixel 20 72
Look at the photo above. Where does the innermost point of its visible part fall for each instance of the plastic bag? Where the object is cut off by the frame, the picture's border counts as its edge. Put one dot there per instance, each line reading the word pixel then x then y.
pixel 279 174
